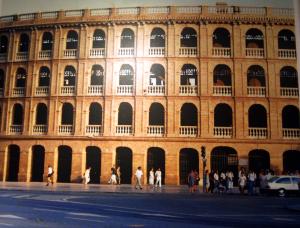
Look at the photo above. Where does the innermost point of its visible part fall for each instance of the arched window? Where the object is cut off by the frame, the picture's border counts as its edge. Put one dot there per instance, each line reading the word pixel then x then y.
pixel 47 41
pixel 95 114
pixel 290 117
pixel 157 114
pixel 20 77
pixel 286 39
pixel 257 116
pixel 17 118
pixel 288 77
pixel 188 115
pixel 72 40
pixel 44 76
pixel 125 114
pixel 67 114
pixel 99 39
pixel 256 76
pixel 157 75
pixel 291 161
pixel 3 44
pixel 222 75
pixel 259 160
pixel 254 38
pixel 41 114
pixel 24 43
pixel 221 38
pixel 157 38
pixel 69 76
pixel 223 116
pixel 127 38
pixel 188 75
pixel 2 79
pixel 126 75
pixel 97 74
pixel 188 38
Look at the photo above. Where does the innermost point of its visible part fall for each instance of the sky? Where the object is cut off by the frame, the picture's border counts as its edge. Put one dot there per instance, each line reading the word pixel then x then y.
pixel 9 7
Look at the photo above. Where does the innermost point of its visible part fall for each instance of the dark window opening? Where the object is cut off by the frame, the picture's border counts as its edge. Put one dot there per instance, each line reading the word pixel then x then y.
pixel 41 114
pixel 256 76
pixel 155 160
pixel 157 75
pixel 21 78
pixel 72 40
pixel 157 114
pixel 24 43
pixel 124 161
pixel 188 38
pixel 188 160
pixel 2 79
pixel 254 39
pixel 47 41
pixel 286 39
pixel 37 166
pixel 222 75
pixel 157 38
pixel 290 117
pixel 257 116
pixel 288 77
pixel 13 163
pixel 291 161
pixel 127 38
pixel 17 115
pixel 125 114
pixel 221 38
pixel 97 75
pixel 188 75
pixel 189 115
pixel 259 160
pixel 99 39
pixel 3 44
pixel 69 76
pixel 64 164
pixel 95 114
pixel 223 116
pixel 44 76
pixel 93 160
pixel 126 75
pixel 67 114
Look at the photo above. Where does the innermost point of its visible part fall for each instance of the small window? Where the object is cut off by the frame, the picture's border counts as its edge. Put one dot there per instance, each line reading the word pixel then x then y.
pixel 296 180
pixel 284 180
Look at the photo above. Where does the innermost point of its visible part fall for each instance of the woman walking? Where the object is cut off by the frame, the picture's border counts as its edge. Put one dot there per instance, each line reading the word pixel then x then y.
pixel 151 178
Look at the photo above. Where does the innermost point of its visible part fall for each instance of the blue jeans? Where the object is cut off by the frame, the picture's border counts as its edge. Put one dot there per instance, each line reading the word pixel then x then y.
pixel 250 187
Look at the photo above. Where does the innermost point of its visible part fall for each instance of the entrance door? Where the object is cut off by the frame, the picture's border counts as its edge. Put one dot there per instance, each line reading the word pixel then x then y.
pixel 37 167
pixel 124 161
pixel 189 160
pixel 64 164
pixel 155 160
pixel 13 163
pixel 93 160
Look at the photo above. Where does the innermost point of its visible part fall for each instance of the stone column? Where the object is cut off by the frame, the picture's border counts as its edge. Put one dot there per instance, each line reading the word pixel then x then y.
pixel 57 45
pixel 22 175
pixel 203 39
pixel 172 167
pixel 140 39
pixel 171 40
pixel 236 41
pixel 137 160
pixel 107 162
pixel 2 164
pixel 269 42
pixel 76 172
pixel 82 42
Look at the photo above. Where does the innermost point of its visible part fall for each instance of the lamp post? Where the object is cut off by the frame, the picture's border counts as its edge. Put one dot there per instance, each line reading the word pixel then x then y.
pixel 203 155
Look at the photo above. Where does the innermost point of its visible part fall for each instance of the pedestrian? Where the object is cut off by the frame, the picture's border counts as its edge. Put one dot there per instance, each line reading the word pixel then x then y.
pixel 138 177
pixel 191 179
pixel 206 181
pixel 251 182
pixel 230 177
pixel 118 175
pixel 113 176
pixel 216 182
pixel 211 182
pixel 50 175
pixel 151 177
pixel 242 182
pixel 158 178
pixel 196 180
pixel 87 177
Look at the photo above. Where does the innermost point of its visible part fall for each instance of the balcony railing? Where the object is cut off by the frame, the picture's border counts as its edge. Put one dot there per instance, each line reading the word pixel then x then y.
pixel 222 90
pixel 42 91
pixel 223 132
pixel 3 57
pixel 45 54
pixel 188 131
pixel 156 130
pixel 157 51
pixel 124 130
pixel 67 90
pixel 97 52
pixel 291 133
pixel 95 90
pixel 22 56
pixel 93 130
pixel 255 52
pixel 126 52
pixel 287 53
pixel 188 90
pixel 258 133
pixel 156 89
pixel 70 53
pixel 125 89
pixel 40 129
pixel 188 51
pixel 65 129
pixel 18 92
pixel 16 129
pixel 256 91
pixel 221 52
pixel 289 92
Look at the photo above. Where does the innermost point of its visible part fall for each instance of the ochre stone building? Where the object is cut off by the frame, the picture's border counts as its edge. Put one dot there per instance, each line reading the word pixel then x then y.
pixel 147 87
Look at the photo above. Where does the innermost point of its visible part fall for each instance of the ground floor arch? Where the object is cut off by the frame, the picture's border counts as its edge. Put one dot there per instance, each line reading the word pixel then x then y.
pixel 37 163
pixel 259 160
pixel 155 160
pixel 93 160
pixel 224 159
pixel 13 163
pixel 124 161
pixel 64 166
pixel 291 161
pixel 188 160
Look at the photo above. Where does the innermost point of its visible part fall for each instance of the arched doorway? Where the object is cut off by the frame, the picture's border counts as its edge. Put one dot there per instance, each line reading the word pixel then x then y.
pixel 155 160
pixel 259 160
pixel 93 160
pixel 13 163
pixel 37 165
pixel 188 160
pixel 124 161
pixel 291 161
pixel 224 159
pixel 64 164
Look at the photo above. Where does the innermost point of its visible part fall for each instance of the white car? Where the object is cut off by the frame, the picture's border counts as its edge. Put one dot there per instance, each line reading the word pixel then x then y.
pixel 283 185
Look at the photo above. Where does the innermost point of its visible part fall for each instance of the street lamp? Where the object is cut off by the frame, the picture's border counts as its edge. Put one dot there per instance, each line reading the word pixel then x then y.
pixel 203 155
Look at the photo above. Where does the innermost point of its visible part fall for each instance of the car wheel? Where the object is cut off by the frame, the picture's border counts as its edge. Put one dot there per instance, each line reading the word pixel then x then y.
pixel 281 192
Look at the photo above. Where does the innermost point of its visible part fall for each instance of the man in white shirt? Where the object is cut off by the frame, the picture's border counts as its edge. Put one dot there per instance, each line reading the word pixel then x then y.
pixel 138 176
pixel 158 178
pixel 50 175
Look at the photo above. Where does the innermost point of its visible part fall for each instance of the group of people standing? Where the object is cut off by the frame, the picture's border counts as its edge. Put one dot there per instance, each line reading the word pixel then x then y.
pixel 218 181
pixel 193 180
pixel 115 177
pixel 155 177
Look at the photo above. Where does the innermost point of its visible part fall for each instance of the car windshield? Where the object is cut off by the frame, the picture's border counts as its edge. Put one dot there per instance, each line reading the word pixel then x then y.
pixel 272 179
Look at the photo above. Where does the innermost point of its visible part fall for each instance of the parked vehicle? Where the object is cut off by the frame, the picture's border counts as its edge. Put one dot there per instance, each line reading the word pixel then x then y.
pixel 283 185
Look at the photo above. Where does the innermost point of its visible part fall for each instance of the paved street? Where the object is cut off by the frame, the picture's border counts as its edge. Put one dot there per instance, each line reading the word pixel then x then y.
pixel 64 205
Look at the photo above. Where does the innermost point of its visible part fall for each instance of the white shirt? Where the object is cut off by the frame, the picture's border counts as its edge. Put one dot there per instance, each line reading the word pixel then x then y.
pixel 252 176
pixel 50 170
pixel 139 173
pixel 158 174
pixel 216 176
